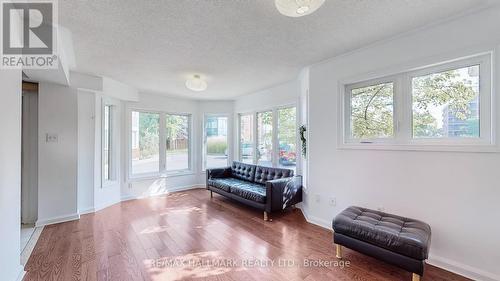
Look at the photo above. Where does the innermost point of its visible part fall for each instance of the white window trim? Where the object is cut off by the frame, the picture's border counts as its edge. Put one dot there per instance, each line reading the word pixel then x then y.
pixel 113 170
pixel 204 140
pixel 403 112
pixel 275 156
pixel 162 172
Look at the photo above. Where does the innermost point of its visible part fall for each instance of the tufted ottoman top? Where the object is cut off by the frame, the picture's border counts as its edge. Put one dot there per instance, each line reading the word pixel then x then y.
pixel 405 236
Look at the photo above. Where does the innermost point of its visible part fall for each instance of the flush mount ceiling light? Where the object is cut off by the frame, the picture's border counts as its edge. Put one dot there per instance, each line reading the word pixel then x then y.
pixel 196 84
pixel 298 8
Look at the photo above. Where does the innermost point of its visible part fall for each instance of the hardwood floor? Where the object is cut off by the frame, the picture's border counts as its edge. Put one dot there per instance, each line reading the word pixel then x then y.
pixel 188 236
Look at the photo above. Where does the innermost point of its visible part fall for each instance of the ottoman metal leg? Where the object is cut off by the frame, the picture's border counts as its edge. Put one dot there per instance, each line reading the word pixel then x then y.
pixel 266 218
pixel 339 251
pixel 415 277
pixel 211 194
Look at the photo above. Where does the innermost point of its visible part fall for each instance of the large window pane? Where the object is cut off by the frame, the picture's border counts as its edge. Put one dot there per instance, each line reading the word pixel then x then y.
pixel 216 147
pixel 106 146
pixel 145 148
pixel 372 112
pixel 177 147
pixel 246 138
pixel 446 104
pixel 265 138
pixel 287 137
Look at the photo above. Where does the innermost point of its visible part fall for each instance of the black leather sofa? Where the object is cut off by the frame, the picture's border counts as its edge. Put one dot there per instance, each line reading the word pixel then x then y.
pixel 268 189
pixel 400 241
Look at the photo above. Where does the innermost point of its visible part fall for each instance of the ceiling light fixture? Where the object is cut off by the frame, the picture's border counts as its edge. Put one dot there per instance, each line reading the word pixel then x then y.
pixel 196 84
pixel 298 8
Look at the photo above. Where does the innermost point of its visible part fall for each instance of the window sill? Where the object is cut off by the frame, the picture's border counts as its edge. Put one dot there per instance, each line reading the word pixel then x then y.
pixel 466 148
pixel 160 176
pixel 107 184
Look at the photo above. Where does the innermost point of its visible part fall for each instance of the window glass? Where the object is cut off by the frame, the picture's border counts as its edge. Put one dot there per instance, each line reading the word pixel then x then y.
pixel 446 104
pixel 216 146
pixel 265 138
pixel 106 146
pixel 372 112
pixel 287 137
pixel 146 154
pixel 177 142
pixel 246 138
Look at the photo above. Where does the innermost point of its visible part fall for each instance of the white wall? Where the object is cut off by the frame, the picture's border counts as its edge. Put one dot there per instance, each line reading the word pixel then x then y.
pixel 10 174
pixel 456 193
pixel 57 161
pixel 279 95
pixel 86 145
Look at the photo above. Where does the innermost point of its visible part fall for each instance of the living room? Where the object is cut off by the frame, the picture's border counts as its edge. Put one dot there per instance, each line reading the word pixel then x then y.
pixel 255 140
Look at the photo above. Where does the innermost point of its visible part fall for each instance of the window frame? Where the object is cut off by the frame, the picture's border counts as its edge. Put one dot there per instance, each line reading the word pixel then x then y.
pixel 403 110
pixel 111 150
pixel 204 139
pixel 162 168
pixel 275 153
pixel 396 83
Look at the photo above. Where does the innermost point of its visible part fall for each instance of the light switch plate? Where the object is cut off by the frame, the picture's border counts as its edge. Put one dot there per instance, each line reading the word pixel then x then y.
pixel 51 137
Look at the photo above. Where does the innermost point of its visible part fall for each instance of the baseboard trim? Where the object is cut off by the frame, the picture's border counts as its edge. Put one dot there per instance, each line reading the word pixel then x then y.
pixel 170 190
pixel 315 220
pixel 462 269
pixel 21 274
pixel 58 219
pixel 443 263
pixel 87 211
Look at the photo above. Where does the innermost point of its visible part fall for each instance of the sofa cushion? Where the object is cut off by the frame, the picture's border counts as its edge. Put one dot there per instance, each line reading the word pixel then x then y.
pixel 224 183
pixel 404 236
pixel 250 191
pixel 243 171
pixel 264 174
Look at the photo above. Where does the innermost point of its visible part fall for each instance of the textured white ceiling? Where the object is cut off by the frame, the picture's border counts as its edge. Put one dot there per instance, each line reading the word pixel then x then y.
pixel 238 46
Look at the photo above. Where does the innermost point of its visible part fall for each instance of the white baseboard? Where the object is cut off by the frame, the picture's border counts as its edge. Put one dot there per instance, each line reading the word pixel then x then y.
pixel 105 205
pixel 58 219
pixel 462 269
pixel 21 274
pixel 170 190
pixel 443 263
pixel 87 211
pixel 315 220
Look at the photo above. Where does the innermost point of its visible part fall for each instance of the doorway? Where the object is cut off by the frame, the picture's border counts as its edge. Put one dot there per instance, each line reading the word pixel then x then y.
pixel 29 162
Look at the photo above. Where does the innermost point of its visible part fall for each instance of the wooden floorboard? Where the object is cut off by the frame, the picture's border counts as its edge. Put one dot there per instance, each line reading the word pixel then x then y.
pixel 188 236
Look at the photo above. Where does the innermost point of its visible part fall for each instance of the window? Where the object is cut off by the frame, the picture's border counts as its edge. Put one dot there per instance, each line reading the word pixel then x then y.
pixel 246 138
pixel 275 144
pixel 146 155
pixel 371 111
pixel 216 145
pixel 177 142
pixel 107 174
pixel 148 130
pixel 265 138
pixel 287 137
pixel 447 104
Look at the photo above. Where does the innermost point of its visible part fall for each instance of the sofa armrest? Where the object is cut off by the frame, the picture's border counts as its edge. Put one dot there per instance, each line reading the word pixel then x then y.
pixel 282 193
pixel 218 173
